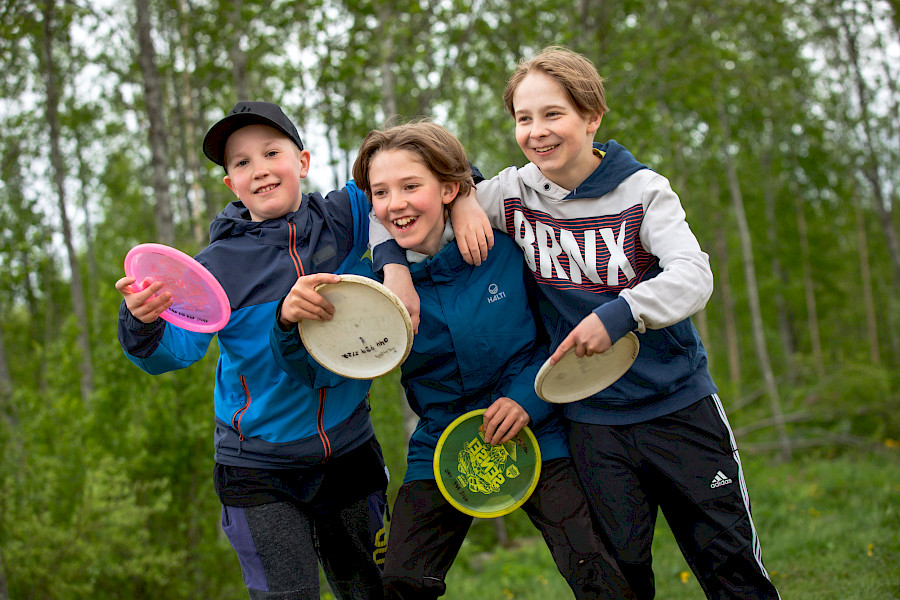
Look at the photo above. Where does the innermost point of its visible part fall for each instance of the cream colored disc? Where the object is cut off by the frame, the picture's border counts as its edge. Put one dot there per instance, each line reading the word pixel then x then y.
pixel 370 334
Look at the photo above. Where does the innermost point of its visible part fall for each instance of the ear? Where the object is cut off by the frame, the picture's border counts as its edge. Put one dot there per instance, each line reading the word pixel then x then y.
pixel 304 157
pixel 449 190
pixel 230 184
pixel 593 123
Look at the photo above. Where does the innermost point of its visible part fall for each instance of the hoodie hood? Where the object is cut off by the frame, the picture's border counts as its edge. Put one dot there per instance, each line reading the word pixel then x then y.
pixel 617 165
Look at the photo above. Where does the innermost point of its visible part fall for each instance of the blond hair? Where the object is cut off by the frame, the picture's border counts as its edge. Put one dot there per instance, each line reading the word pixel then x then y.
pixel 573 71
pixel 436 147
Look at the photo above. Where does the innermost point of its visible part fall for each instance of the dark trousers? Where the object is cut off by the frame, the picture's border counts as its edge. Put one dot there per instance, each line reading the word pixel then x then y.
pixel 279 545
pixel 686 464
pixel 427 532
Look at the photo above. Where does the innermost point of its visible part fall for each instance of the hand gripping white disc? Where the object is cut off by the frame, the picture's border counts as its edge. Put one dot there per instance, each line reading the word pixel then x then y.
pixel 369 335
pixel 572 378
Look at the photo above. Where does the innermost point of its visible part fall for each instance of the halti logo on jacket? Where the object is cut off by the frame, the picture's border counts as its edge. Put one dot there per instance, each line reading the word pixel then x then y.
pixel 542 241
pixel 495 293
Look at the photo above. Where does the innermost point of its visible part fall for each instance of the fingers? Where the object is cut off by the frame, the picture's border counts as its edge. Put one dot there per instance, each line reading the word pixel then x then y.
pixel 150 310
pixel 413 306
pixel 474 243
pixel 566 345
pixel 147 304
pixel 588 338
pixel 488 237
pixel 470 249
pixel 304 302
pixel 124 285
pixel 503 420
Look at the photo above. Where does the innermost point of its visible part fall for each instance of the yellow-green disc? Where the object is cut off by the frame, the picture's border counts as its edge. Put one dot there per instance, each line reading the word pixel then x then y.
pixel 484 480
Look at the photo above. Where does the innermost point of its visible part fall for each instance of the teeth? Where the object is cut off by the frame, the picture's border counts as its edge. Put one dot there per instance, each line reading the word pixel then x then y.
pixel 404 221
pixel 545 148
pixel 267 188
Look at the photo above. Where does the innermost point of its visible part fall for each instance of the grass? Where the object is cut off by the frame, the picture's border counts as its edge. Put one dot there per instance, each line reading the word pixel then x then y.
pixel 829 528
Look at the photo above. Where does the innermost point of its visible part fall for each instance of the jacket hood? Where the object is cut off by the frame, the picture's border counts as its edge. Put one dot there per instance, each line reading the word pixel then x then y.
pixel 235 220
pixel 617 165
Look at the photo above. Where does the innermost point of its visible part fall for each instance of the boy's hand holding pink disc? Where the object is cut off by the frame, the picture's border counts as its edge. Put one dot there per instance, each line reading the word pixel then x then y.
pixel 199 302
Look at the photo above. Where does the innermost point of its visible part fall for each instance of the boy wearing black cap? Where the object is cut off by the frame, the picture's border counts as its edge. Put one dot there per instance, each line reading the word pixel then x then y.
pixel 298 470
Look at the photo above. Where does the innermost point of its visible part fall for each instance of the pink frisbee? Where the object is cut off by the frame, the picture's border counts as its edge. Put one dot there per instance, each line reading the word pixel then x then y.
pixel 199 302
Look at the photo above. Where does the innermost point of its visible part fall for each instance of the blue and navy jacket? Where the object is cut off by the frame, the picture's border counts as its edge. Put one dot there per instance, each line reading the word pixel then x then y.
pixel 263 416
pixel 477 341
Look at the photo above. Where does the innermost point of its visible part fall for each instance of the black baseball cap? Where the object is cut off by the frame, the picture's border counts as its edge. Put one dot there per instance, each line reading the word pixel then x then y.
pixel 243 114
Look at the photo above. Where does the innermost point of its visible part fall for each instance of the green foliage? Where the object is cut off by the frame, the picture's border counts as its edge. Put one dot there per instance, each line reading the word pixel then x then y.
pixel 386 398
pixel 524 570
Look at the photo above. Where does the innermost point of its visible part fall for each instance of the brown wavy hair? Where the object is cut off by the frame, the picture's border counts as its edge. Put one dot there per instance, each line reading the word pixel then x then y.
pixel 573 71
pixel 437 148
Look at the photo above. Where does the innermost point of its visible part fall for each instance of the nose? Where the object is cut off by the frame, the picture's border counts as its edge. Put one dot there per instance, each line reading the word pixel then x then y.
pixel 397 202
pixel 538 129
pixel 259 169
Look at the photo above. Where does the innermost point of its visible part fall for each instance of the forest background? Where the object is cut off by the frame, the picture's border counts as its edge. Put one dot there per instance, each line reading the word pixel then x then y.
pixel 776 122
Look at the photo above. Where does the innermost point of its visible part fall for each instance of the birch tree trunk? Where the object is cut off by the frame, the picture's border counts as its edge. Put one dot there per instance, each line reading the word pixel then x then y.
pixel 236 53
pixel 809 291
pixel 165 227
pixel 385 12
pixel 723 284
pixel 873 164
pixel 93 277
pixel 865 273
pixel 194 198
pixel 783 310
pixel 4 590
pixel 759 339
pixel 76 288
pixel 7 410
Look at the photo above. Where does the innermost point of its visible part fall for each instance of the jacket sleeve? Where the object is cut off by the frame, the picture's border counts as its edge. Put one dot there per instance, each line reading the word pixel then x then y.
pixel 384 249
pixel 491 194
pixel 686 281
pixel 359 208
pixel 521 389
pixel 159 347
pixel 295 360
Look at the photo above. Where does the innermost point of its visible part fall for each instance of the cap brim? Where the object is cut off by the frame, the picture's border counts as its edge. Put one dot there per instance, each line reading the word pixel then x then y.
pixel 217 136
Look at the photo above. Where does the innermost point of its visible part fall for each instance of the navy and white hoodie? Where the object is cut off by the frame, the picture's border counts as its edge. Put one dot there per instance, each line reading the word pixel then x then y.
pixel 617 245
pixel 263 416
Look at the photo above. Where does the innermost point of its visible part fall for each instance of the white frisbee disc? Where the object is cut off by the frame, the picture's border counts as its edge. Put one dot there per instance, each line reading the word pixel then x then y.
pixel 572 378
pixel 370 334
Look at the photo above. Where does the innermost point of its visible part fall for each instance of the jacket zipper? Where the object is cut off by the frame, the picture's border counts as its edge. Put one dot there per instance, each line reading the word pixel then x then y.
pixel 320 425
pixel 292 249
pixel 320 416
pixel 239 414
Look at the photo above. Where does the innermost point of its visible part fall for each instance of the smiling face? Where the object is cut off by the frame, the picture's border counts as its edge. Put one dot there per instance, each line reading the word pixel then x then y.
pixel 264 171
pixel 409 199
pixel 552 133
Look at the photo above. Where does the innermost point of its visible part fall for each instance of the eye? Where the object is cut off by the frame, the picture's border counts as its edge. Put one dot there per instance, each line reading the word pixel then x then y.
pixel 553 113
pixel 523 119
pixel 411 186
pixel 271 153
pixel 378 193
pixel 241 162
